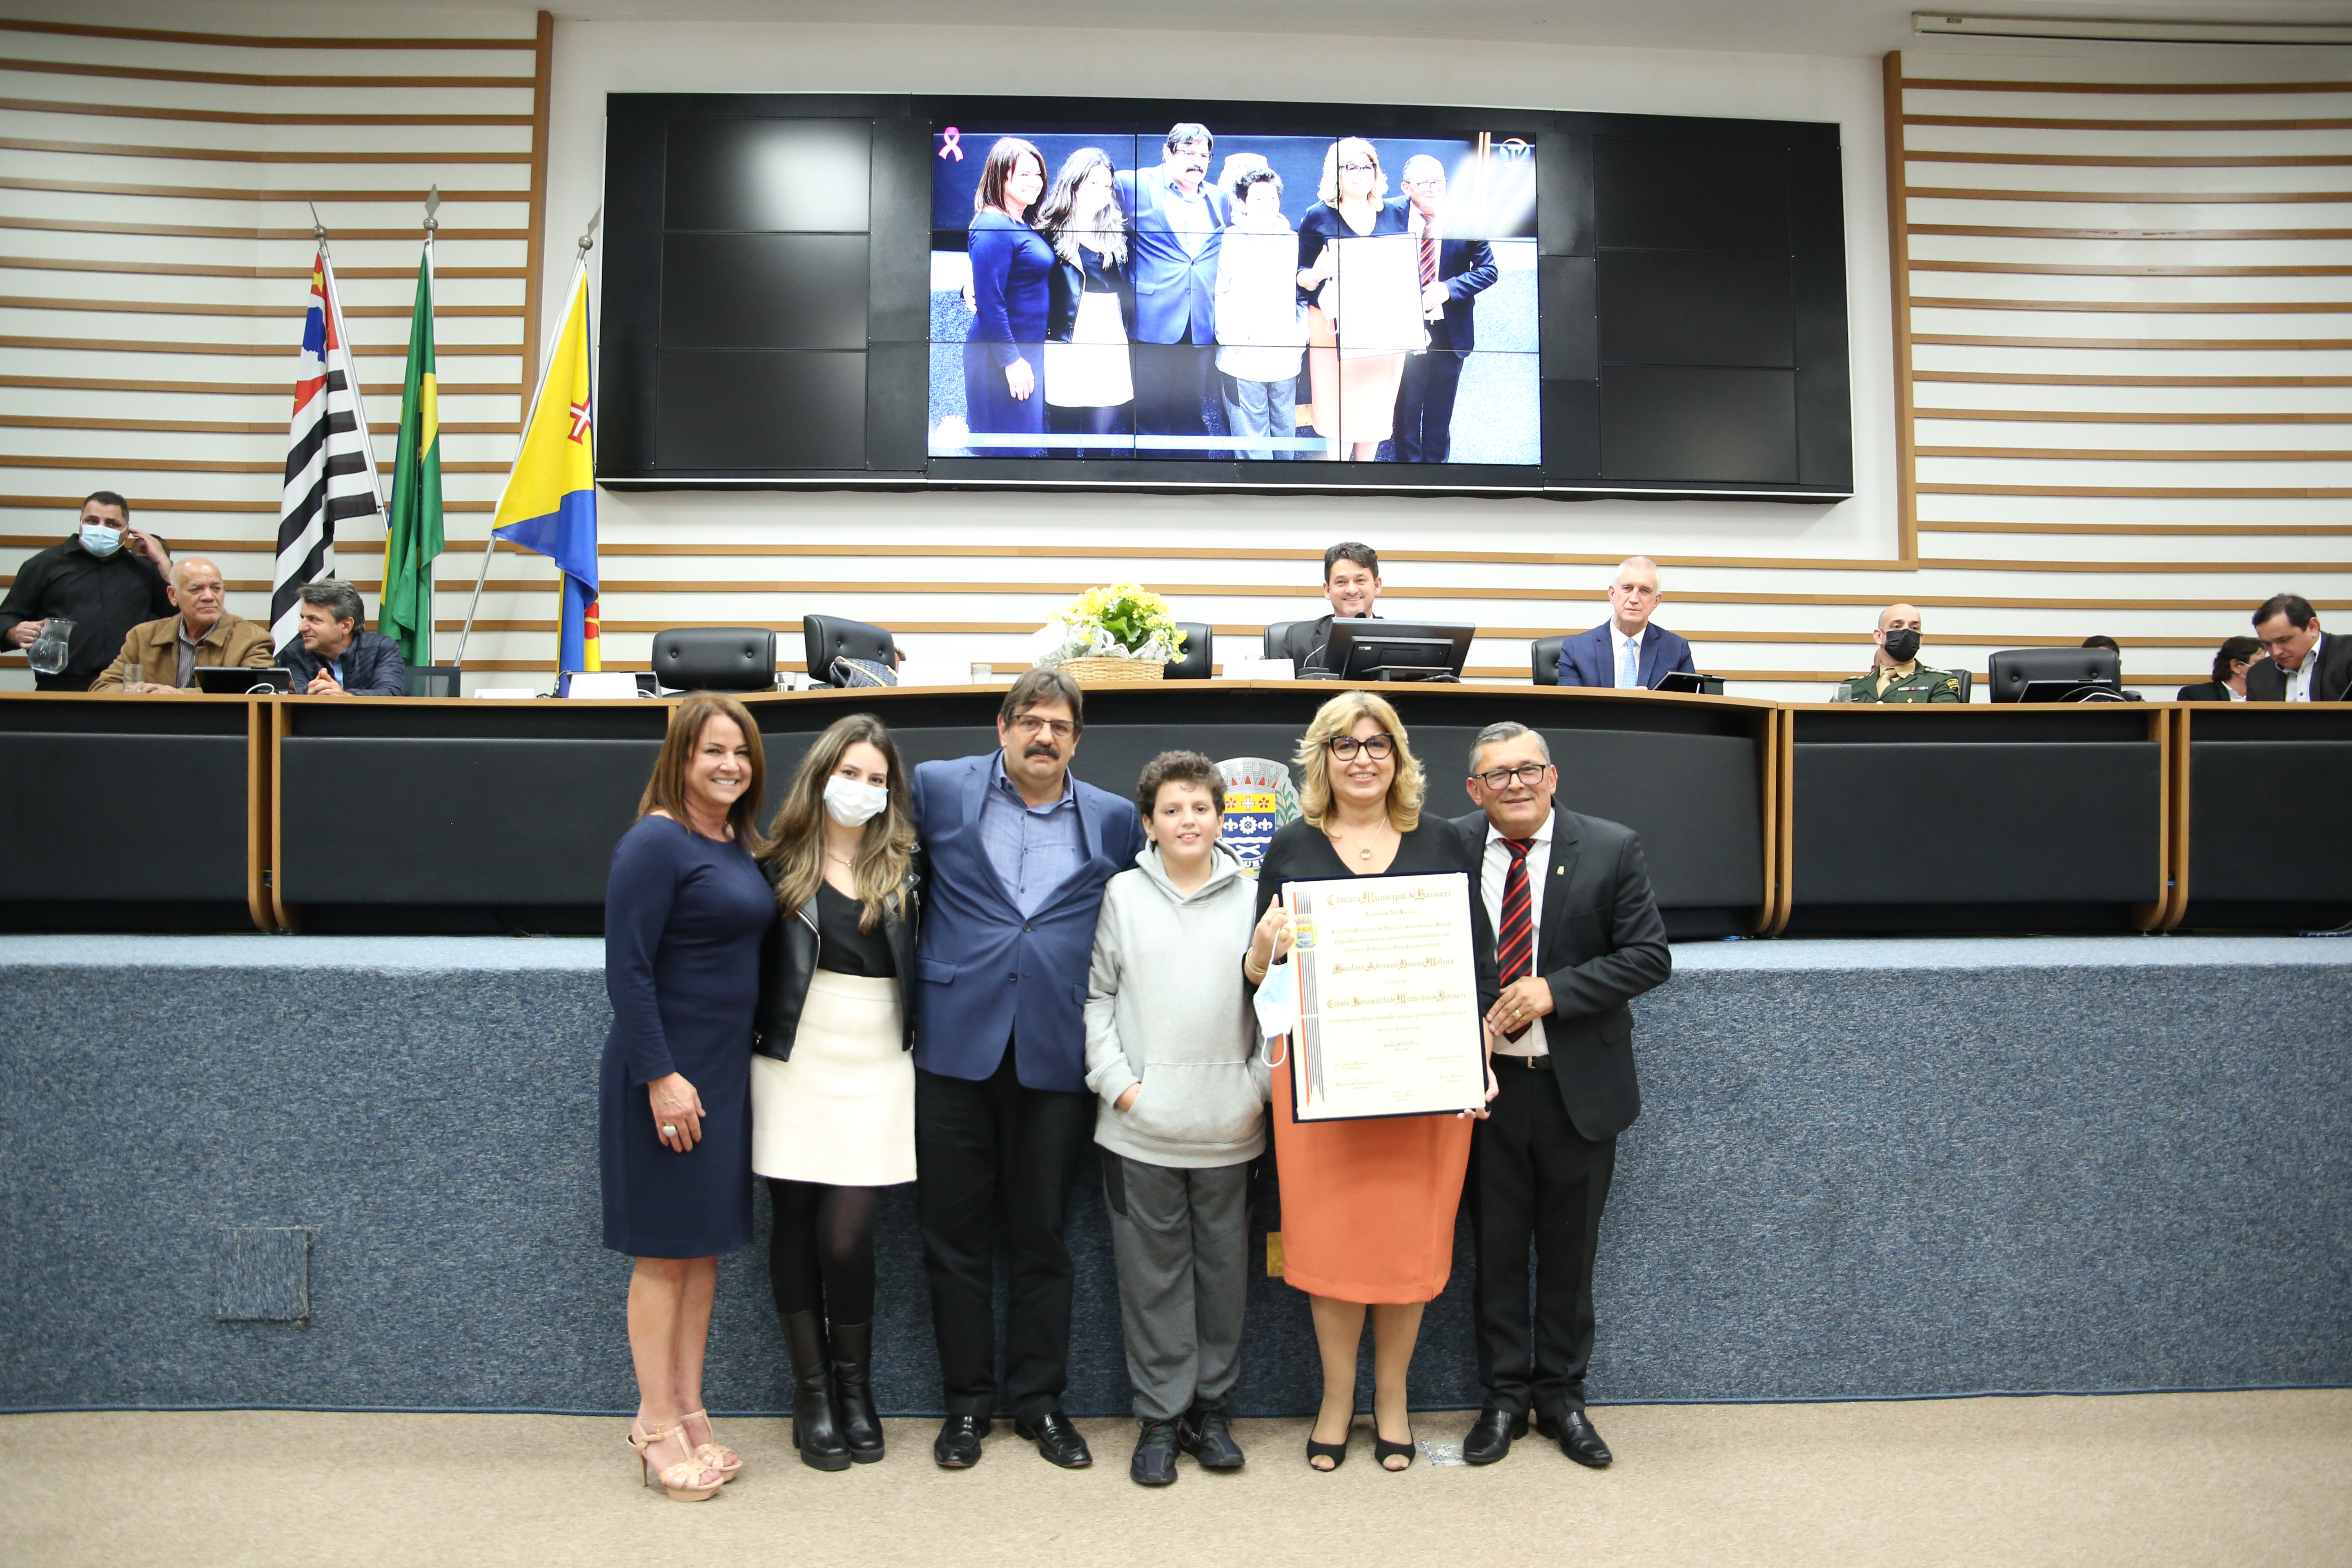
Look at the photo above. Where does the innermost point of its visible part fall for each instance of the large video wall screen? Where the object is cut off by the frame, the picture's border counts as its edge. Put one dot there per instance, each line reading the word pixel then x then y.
pixel 1180 294
pixel 906 291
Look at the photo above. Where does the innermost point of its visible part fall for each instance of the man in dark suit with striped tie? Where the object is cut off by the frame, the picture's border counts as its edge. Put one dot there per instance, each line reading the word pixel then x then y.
pixel 1566 902
pixel 1453 272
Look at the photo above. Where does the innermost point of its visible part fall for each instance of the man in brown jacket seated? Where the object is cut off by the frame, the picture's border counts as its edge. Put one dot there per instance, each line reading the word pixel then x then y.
pixel 164 655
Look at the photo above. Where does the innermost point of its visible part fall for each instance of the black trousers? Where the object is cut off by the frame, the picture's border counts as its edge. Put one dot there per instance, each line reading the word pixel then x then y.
pixel 976 1142
pixel 1534 1178
pixel 1178 392
pixel 1424 406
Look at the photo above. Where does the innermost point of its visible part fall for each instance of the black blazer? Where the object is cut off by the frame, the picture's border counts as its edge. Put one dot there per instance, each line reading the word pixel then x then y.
pixel 1066 282
pixel 2267 683
pixel 2207 691
pixel 1306 641
pixel 1600 943
pixel 1466 267
pixel 788 961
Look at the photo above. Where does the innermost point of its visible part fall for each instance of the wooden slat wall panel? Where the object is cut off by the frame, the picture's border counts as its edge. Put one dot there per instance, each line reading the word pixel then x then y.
pixel 2057 476
pixel 2128 320
pixel 155 261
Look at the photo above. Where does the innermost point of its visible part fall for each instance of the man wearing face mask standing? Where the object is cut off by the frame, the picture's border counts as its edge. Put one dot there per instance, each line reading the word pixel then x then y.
pixel 106 579
pixel 1896 674
pixel 1018 852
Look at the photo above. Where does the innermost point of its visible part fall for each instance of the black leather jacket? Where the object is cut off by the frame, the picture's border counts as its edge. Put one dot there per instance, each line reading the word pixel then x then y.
pixel 788 960
pixel 1066 282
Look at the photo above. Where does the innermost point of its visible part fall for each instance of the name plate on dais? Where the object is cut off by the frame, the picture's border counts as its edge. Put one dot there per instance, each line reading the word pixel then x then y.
pixel 1388 998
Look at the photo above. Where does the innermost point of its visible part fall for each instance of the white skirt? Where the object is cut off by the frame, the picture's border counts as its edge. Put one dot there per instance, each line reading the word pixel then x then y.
pixel 1091 370
pixel 842 1111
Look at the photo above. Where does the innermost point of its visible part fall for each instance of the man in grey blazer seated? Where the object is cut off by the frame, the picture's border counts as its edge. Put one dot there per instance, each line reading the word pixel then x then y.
pixel 1565 902
pixel 1351 585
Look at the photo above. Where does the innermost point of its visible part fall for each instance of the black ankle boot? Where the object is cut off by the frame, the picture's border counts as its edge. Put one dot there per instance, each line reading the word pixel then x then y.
pixel 817 1428
pixel 852 1362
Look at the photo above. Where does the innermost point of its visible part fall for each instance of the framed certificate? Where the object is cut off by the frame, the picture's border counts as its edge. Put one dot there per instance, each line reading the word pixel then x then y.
pixel 1388 1023
pixel 1379 289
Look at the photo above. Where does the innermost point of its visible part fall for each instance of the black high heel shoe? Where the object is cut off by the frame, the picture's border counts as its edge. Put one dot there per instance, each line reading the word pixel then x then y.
pixel 1383 1451
pixel 1335 1452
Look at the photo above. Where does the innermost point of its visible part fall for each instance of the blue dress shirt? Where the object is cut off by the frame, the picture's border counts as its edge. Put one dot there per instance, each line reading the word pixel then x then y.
pixel 1033 849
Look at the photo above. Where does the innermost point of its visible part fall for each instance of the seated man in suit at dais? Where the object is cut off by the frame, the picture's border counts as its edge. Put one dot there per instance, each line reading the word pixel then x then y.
pixel 1626 650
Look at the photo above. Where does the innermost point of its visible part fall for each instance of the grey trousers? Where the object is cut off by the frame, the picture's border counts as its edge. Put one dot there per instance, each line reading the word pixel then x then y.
pixel 1181 1238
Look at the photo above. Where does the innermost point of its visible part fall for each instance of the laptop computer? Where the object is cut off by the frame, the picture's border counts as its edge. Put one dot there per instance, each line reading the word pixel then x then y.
pixel 240 682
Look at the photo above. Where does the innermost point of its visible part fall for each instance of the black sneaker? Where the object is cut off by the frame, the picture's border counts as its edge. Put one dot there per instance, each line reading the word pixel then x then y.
pixel 1204 1434
pixel 1154 1463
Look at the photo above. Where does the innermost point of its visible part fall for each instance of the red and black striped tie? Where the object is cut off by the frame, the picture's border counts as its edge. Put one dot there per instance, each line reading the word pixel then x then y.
pixel 1515 943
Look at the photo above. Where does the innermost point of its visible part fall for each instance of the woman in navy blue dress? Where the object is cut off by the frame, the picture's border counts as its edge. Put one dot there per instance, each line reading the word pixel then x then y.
pixel 686 909
pixel 1003 357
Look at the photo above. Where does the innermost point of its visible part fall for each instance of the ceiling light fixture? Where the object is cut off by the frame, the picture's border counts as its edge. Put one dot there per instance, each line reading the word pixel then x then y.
pixel 2179 32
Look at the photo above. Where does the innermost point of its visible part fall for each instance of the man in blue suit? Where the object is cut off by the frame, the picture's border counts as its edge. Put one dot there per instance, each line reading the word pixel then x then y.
pixel 1176 223
pixel 1626 650
pixel 1454 273
pixel 1017 852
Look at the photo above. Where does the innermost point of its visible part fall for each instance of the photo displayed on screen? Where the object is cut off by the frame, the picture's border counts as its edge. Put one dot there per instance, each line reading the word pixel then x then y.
pixel 1190 291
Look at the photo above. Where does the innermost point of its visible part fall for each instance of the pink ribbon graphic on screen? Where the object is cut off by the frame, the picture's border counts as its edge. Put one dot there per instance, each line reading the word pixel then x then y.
pixel 953 148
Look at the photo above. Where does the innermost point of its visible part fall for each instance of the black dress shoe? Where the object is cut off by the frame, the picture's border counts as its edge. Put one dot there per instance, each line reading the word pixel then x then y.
pixel 1490 1435
pixel 1154 1463
pixel 1057 1439
pixel 957 1448
pixel 1578 1440
pixel 1204 1434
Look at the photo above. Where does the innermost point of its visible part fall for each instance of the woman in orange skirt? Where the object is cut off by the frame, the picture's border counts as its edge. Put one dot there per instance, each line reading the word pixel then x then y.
pixel 1367 1206
pixel 1354 392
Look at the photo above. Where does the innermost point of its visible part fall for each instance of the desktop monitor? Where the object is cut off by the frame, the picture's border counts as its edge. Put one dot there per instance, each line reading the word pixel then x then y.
pixel 1370 649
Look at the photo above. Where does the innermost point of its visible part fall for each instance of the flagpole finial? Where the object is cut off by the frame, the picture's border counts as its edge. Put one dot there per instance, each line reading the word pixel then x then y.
pixel 318 225
pixel 588 237
pixel 432 205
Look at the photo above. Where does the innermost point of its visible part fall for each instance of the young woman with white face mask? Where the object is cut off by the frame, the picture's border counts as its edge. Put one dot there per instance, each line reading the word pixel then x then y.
pixel 832 1086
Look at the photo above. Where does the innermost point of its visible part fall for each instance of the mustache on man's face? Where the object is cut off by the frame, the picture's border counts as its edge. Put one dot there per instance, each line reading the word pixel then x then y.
pixel 1042 749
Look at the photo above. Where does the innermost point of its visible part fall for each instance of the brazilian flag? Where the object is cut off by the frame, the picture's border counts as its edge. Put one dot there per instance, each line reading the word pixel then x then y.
pixel 412 537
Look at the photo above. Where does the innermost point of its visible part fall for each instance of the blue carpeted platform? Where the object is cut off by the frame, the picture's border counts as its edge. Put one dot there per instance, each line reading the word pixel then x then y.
pixel 1866 1169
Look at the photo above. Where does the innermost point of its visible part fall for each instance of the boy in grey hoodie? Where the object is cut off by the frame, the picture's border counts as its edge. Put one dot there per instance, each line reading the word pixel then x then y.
pixel 1172 1050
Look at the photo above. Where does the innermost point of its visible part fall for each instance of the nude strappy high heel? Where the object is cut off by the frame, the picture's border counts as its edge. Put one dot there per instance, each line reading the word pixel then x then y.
pixel 717 1456
pixel 689 1480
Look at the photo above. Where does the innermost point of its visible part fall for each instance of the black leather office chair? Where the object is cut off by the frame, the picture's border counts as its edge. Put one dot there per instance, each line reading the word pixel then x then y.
pixel 1276 640
pixel 432 681
pixel 1195 662
pixel 828 638
pixel 1543 659
pixel 715 659
pixel 2009 672
pixel 1968 679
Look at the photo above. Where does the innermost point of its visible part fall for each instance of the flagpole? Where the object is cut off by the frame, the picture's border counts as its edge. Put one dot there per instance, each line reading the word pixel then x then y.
pixel 491 545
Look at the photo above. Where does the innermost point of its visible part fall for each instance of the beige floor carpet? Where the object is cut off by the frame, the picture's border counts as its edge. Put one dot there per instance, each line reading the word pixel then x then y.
pixel 2214 1479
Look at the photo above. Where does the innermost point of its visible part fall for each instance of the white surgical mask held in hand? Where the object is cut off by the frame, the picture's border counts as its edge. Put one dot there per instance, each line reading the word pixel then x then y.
pixel 853 802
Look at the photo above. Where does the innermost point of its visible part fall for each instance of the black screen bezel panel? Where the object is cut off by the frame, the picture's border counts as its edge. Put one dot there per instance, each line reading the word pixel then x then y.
pixel 1588 230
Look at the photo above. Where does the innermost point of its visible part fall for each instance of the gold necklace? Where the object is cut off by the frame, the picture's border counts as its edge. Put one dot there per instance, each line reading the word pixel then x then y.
pixel 1362 854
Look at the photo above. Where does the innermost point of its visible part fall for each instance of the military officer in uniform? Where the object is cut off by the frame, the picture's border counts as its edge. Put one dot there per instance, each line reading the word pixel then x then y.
pixel 1896 673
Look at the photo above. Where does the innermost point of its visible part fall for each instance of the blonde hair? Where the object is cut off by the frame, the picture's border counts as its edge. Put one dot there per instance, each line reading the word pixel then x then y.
pixel 795 857
pixel 1328 192
pixel 1337 718
pixel 665 790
